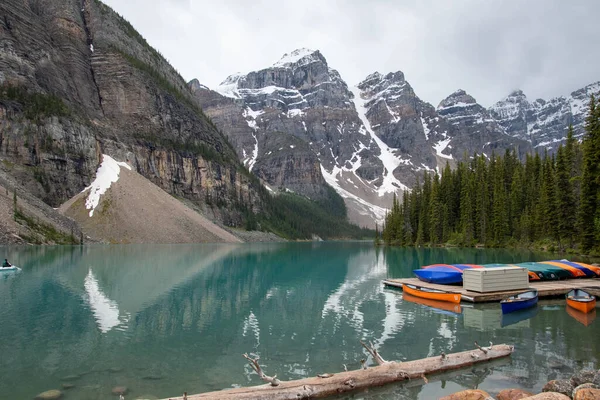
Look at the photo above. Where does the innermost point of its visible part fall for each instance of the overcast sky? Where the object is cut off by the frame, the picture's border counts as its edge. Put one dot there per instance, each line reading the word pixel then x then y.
pixel 546 48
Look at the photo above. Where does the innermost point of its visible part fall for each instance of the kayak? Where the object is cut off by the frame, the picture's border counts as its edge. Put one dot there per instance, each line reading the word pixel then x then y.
pixel 581 300
pixel 519 301
pixel 11 268
pixel 549 272
pixel 589 270
pixel 575 272
pixel 443 274
pixel 432 294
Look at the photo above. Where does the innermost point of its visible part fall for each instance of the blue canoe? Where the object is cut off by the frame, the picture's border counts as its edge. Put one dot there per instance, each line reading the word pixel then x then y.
pixel 519 301
pixel 444 274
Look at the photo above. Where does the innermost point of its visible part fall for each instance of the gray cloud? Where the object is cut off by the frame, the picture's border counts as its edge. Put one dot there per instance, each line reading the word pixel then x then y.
pixel 546 48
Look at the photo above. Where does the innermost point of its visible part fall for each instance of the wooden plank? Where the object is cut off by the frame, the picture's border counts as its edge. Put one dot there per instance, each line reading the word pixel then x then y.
pixel 344 382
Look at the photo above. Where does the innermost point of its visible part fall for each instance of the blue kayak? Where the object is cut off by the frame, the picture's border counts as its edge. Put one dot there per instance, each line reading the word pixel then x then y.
pixel 519 301
pixel 440 273
pixel 444 274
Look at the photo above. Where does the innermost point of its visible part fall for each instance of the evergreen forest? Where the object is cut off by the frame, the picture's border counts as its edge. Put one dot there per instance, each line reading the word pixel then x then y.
pixel 550 201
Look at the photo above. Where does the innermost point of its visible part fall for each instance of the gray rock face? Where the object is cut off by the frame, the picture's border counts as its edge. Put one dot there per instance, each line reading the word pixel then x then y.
pixel 302 97
pixel 474 129
pixel 411 127
pixel 370 140
pixel 121 97
pixel 544 123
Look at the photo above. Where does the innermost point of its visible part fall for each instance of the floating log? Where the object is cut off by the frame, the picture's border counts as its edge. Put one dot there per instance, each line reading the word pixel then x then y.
pixel 343 382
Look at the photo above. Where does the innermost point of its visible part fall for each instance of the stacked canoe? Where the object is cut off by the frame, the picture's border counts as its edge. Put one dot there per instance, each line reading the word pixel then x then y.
pixel 448 274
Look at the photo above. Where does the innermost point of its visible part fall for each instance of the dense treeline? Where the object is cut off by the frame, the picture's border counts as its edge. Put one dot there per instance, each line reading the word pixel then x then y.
pixel 295 217
pixel 550 201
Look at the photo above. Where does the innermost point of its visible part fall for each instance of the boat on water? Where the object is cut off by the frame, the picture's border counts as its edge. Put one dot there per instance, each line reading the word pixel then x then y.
pixel 432 294
pixel 443 306
pixel 519 301
pixel 581 300
pixel 581 317
pixel 12 268
pixel 443 274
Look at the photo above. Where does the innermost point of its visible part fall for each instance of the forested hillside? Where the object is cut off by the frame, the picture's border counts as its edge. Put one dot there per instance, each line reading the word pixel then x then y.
pixel 545 201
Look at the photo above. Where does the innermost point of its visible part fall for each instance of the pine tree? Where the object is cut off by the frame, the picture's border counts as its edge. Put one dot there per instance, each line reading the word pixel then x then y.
pixel 589 182
pixel 565 201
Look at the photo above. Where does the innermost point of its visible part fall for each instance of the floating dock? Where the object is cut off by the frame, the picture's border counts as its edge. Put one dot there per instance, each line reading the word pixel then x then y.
pixel 545 289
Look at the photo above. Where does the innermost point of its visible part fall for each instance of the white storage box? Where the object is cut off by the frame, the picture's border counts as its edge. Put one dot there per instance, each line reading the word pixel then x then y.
pixel 484 280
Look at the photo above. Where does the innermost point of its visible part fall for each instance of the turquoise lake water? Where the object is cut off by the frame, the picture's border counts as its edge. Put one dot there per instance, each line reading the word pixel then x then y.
pixel 164 319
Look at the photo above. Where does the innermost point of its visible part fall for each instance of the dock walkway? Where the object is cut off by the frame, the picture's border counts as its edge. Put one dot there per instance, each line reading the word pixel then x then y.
pixel 545 289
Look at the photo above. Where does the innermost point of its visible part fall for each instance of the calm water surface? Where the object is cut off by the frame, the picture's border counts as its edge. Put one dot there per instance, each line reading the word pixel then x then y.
pixel 162 320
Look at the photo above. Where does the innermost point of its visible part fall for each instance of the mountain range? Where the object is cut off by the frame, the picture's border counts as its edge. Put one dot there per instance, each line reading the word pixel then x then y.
pixel 298 125
pixel 77 82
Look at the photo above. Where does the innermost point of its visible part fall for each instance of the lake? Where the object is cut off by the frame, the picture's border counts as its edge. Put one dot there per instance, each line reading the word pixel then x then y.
pixel 164 319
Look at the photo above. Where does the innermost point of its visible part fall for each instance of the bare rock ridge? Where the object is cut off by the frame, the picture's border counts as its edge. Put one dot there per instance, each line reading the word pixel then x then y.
pixel 374 139
pixel 77 81
pixel 474 130
pixel 544 123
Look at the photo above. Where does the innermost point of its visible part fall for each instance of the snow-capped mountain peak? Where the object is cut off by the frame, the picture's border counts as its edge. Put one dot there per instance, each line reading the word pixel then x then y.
pixel 301 56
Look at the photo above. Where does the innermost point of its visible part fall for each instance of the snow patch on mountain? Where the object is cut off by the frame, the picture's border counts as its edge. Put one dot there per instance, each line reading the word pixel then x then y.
pixel 229 87
pixel 441 146
pixel 332 180
pixel 107 174
pixel 295 56
pixel 388 158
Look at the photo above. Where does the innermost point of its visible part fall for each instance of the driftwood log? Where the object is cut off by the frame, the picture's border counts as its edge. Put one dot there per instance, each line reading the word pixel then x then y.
pixel 343 382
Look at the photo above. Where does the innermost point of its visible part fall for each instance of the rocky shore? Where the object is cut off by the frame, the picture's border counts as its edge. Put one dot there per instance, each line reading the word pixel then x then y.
pixel 584 385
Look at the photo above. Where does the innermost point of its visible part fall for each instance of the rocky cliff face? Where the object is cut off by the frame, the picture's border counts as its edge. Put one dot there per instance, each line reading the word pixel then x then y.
pixel 474 130
pixel 78 81
pixel 371 140
pixel 416 136
pixel 312 112
pixel 544 123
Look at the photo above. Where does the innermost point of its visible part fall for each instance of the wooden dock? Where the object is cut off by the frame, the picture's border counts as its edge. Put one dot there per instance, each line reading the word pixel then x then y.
pixel 545 289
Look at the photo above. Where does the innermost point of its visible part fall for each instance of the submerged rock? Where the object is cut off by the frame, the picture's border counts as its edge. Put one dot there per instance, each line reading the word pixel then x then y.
pixel 563 386
pixel 587 391
pixel 118 390
pixel 513 394
pixel 67 386
pixel 556 363
pixel 473 394
pixel 49 395
pixel 581 377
